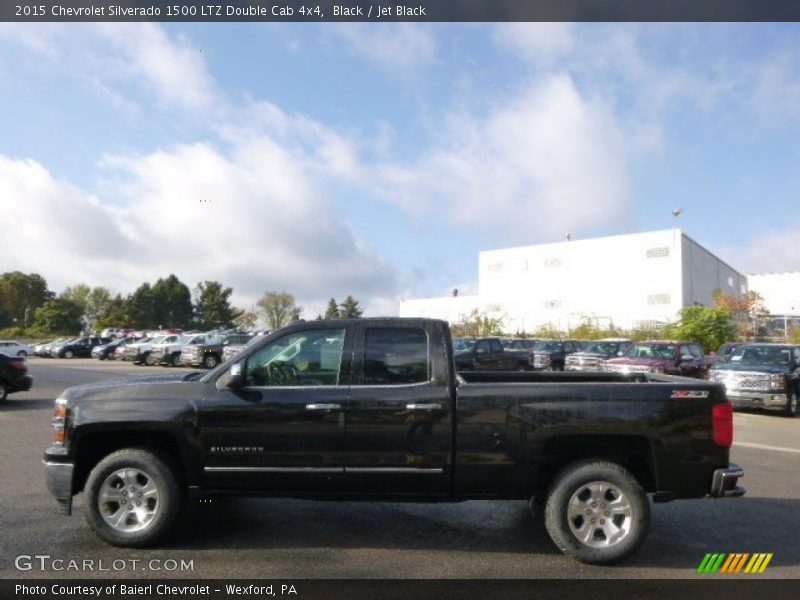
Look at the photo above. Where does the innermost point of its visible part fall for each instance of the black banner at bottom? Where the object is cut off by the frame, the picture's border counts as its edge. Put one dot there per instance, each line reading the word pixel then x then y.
pixel 388 589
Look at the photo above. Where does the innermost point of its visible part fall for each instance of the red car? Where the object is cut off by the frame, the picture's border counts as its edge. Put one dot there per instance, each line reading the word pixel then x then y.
pixel 661 356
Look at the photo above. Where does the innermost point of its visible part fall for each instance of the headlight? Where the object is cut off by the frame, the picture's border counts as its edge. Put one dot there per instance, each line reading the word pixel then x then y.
pixel 777 381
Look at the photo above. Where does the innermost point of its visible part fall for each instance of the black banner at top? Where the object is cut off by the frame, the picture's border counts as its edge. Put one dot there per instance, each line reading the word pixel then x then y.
pixel 316 11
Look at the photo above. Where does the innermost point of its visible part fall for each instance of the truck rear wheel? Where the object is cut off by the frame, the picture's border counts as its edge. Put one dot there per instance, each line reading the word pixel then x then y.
pixel 132 497
pixel 597 512
pixel 210 361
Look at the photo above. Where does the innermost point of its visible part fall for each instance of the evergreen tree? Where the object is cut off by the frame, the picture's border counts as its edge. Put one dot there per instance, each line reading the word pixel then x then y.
pixel 212 305
pixel 349 309
pixel 332 311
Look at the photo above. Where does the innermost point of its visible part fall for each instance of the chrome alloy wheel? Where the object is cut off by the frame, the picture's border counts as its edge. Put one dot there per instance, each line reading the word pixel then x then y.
pixel 129 500
pixel 599 514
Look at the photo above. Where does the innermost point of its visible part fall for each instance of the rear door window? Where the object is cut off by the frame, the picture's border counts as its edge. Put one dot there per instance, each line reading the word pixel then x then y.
pixel 395 356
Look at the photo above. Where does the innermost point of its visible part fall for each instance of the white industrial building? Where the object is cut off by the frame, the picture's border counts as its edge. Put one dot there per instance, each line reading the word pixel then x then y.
pixel 781 291
pixel 629 281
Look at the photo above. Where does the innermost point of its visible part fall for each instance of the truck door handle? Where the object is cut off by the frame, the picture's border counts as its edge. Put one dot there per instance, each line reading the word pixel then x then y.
pixel 323 406
pixel 423 406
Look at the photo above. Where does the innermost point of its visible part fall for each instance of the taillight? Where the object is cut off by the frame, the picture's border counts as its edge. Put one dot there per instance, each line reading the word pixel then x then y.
pixel 60 414
pixel 19 364
pixel 722 424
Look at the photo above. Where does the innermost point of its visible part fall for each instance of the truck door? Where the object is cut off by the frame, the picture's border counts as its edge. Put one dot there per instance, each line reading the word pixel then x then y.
pixel 399 422
pixel 284 430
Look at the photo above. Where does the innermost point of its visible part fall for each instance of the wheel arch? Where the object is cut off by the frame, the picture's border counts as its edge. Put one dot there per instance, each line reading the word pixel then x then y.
pixel 633 452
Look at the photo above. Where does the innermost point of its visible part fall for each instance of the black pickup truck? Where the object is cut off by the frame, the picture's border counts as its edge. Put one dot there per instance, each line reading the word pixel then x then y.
pixel 488 354
pixel 373 409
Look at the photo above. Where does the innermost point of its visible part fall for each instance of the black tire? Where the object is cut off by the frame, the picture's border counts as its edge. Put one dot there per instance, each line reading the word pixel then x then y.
pixel 68 354
pixel 159 472
pixel 22 353
pixel 791 405
pixel 210 361
pixel 173 360
pixel 561 517
pixel 148 359
pixel 3 391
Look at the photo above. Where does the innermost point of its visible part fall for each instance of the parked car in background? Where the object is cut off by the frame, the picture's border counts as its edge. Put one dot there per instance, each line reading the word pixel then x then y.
pixel 55 347
pixel 488 354
pixel 593 352
pixel 463 344
pixel 518 344
pixel 724 353
pixel 119 351
pixel 138 352
pixel 106 351
pixel 661 356
pixel 14 348
pixel 208 351
pixel 166 352
pixel 13 376
pixel 79 348
pixel 552 354
pixel 231 350
pixel 761 376
pixel 43 348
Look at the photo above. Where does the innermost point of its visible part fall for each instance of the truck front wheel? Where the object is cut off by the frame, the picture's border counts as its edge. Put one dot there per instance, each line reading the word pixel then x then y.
pixel 210 361
pixel 791 404
pixel 132 497
pixel 597 512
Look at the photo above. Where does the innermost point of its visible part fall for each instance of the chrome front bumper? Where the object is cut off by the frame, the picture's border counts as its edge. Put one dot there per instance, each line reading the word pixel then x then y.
pixel 59 481
pixel 776 400
pixel 723 484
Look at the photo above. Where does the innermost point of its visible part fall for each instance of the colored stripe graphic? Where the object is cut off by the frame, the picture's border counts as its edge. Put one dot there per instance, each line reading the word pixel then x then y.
pixel 734 562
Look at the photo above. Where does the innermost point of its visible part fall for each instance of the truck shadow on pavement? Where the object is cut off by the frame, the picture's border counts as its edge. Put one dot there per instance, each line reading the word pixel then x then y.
pixel 16 403
pixel 680 534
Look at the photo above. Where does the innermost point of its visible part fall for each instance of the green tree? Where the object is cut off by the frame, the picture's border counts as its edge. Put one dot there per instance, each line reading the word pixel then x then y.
pixel 278 309
pixel 140 307
pixel 59 315
pixel 547 331
pixel 748 311
pixel 115 313
pixel 332 310
pixel 213 306
pixel 97 302
pixel 710 326
pixel 20 295
pixel 349 309
pixel 477 324
pixel 172 303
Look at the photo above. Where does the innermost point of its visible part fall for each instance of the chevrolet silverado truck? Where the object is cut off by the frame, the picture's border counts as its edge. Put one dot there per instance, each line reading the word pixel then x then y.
pixel 552 354
pixel 168 352
pixel 374 409
pixel 209 353
pixel 761 376
pixel 595 352
pixel 488 354
pixel 661 356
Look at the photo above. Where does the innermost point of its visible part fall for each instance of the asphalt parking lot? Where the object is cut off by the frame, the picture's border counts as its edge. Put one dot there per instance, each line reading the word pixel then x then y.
pixel 277 538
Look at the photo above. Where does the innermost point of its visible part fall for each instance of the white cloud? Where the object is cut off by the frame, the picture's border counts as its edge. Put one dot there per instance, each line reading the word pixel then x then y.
pixel 770 252
pixel 539 43
pixel 172 69
pixel 251 219
pixel 395 46
pixel 547 161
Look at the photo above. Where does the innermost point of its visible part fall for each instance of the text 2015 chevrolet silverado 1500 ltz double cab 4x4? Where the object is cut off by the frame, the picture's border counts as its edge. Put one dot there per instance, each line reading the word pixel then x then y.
pixel 373 408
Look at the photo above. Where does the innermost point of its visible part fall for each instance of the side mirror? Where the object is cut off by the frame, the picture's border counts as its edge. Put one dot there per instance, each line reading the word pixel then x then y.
pixel 233 379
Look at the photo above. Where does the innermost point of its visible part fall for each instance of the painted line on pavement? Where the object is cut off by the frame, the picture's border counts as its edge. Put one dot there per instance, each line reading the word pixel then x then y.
pixel 766 447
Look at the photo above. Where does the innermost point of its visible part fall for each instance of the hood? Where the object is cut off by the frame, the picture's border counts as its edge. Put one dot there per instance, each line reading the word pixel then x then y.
pixel 645 362
pixel 135 387
pixel 729 366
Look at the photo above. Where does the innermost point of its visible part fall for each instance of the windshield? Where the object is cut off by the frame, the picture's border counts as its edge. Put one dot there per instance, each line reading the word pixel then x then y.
pixel 548 346
pixel 601 347
pixel 656 351
pixel 761 355
pixel 463 344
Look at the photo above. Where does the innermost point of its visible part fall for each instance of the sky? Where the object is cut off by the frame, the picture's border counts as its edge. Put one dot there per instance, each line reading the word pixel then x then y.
pixel 379 159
